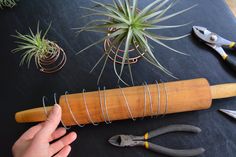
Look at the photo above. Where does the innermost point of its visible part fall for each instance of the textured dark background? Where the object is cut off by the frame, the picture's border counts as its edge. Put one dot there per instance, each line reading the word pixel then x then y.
pixel 22 88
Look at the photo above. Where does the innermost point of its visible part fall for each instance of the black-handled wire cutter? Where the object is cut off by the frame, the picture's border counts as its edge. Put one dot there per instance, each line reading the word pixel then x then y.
pixel 217 43
pixel 130 141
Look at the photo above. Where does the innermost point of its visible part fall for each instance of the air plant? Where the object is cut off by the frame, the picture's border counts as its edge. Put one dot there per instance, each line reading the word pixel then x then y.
pixel 44 52
pixel 7 3
pixel 124 24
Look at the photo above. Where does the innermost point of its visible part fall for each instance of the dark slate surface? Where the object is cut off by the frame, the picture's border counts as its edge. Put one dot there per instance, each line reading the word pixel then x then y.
pixel 22 88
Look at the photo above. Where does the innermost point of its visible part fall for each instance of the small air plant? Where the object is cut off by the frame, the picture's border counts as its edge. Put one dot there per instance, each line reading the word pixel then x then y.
pixel 48 56
pixel 7 3
pixel 129 27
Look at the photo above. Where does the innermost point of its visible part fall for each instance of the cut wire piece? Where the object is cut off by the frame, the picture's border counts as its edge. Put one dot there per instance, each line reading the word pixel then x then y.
pixel 55 102
pixel 86 107
pixel 70 110
pixel 127 104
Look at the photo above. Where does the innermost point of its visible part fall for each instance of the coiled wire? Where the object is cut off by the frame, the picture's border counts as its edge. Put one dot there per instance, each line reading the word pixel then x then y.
pixel 104 108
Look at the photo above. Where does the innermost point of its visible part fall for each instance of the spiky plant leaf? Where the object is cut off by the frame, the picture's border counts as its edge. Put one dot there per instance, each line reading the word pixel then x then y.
pixel 160 19
pixel 7 3
pixel 33 45
pixel 112 35
pixel 123 18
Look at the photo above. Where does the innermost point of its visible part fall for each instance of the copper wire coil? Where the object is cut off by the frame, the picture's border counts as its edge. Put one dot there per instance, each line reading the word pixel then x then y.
pixel 107 44
pixel 52 62
pixel 132 60
pixel 113 54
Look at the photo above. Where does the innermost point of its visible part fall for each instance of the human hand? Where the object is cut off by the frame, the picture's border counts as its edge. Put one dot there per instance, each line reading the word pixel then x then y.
pixel 36 141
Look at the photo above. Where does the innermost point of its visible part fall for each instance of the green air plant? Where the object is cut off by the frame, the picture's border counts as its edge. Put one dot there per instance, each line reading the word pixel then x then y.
pixel 48 56
pixel 7 3
pixel 124 24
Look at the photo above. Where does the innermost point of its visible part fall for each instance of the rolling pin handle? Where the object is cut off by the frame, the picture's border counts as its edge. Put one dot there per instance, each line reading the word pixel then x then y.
pixel 223 91
pixel 26 115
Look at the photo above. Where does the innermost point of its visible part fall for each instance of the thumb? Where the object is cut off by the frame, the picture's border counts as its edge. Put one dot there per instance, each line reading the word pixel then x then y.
pixel 52 121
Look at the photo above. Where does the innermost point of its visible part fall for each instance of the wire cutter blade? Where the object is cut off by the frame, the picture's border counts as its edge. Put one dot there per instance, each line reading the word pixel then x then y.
pixel 125 140
pixel 230 113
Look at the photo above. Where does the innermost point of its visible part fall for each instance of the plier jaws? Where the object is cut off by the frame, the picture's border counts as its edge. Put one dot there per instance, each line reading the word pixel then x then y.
pixel 126 140
pixel 130 141
pixel 217 43
pixel 211 38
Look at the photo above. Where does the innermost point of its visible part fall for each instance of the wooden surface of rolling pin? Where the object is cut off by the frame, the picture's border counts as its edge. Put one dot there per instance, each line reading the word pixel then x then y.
pixel 232 6
pixel 179 96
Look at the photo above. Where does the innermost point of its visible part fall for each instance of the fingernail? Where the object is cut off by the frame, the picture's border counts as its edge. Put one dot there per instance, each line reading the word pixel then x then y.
pixel 55 109
pixel 74 135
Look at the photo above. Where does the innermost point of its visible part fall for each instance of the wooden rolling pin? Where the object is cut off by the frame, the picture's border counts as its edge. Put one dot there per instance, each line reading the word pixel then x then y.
pixel 179 96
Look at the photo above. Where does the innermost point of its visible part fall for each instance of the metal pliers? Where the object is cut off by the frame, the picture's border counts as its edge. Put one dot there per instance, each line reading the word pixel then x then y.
pixel 130 141
pixel 217 43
